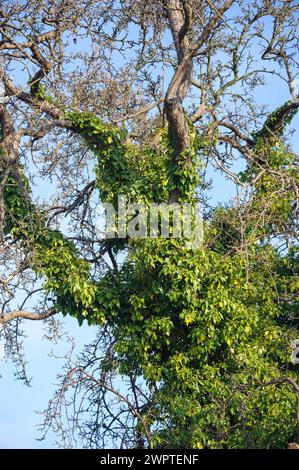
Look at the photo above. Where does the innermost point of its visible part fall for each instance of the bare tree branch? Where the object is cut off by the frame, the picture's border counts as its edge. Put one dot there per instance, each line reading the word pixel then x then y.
pixel 4 319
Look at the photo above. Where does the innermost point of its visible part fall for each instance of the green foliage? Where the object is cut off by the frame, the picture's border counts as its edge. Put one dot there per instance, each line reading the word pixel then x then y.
pixel 52 256
pixel 272 130
pixel 39 91
pixel 206 327
pixel 183 172
pixel 273 173
pixel 138 172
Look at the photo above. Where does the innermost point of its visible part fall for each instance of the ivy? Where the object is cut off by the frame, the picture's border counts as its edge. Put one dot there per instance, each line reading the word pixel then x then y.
pixel 271 130
pixel 203 327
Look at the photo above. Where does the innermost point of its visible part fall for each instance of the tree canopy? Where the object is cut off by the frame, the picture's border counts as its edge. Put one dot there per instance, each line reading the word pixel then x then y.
pixel 156 101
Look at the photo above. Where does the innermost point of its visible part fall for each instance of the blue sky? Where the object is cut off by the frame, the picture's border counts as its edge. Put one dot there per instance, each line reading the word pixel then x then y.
pixel 19 404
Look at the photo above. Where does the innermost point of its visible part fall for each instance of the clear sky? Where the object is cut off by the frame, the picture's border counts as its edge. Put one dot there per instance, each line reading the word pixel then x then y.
pixel 19 404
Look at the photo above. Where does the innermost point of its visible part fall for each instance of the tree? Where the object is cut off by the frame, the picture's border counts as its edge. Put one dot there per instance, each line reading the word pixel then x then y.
pixel 140 99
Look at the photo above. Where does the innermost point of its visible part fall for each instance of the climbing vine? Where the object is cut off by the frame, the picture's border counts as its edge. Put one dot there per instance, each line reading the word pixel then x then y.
pixel 202 327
